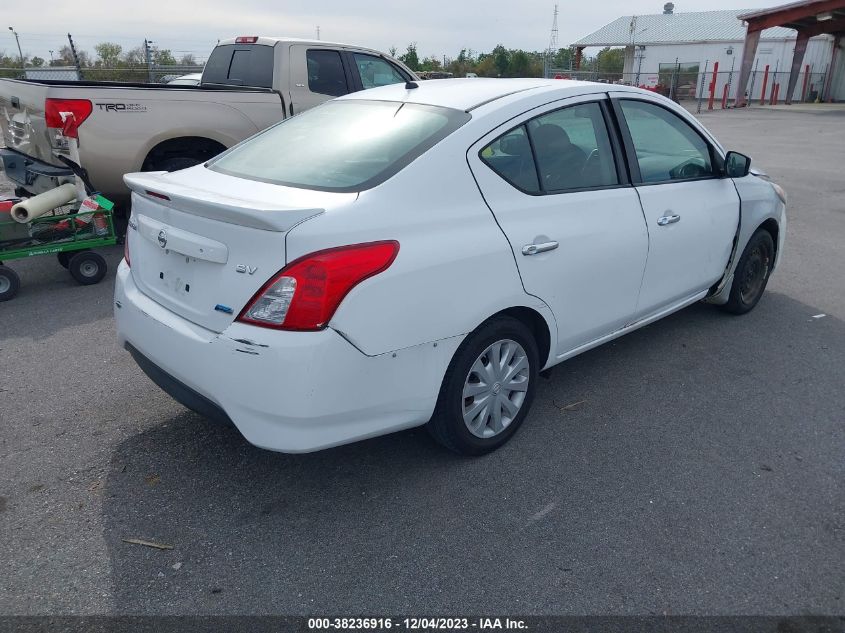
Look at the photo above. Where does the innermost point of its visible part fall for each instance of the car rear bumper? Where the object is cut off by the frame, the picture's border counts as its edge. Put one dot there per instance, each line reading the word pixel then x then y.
pixel 285 391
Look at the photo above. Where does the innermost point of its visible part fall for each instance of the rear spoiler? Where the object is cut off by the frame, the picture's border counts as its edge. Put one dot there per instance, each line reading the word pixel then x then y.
pixel 216 206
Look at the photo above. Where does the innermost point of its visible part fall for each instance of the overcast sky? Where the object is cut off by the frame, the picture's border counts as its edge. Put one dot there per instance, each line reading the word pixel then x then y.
pixel 438 26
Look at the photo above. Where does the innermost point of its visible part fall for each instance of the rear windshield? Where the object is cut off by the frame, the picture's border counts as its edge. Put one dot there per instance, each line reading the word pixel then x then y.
pixel 347 145
pixel 240 65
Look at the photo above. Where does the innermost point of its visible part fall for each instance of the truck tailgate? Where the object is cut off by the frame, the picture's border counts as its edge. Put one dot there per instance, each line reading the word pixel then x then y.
pixel 22 118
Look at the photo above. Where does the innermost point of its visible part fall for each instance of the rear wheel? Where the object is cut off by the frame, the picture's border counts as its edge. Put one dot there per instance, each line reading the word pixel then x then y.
pixel 87 267
pixel 64 257
pixel 752 273
pixel 10 283
pixel 487 389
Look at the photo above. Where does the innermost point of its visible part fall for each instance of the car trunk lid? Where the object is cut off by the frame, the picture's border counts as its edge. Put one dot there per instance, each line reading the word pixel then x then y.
pixel 203 243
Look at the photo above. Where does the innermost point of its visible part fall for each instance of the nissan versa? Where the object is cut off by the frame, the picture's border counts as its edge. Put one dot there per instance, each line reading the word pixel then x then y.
pixel 415 255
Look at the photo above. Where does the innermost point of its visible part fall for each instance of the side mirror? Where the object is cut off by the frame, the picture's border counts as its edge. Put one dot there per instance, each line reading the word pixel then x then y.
pixel 737 165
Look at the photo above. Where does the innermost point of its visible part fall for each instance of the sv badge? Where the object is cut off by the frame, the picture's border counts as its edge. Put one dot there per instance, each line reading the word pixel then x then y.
pixel 243 268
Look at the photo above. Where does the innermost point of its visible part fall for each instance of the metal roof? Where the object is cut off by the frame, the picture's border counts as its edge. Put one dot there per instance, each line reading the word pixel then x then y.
pixel 678 28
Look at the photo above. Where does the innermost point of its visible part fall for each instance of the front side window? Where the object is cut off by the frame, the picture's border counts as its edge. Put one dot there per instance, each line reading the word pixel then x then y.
pixel 573 149
pixel 667 147
pixel 325 73
pixel 376 71
pixel 347 145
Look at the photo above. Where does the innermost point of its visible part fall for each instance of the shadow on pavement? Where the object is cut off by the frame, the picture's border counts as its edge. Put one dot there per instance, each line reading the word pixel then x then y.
pixel 664 490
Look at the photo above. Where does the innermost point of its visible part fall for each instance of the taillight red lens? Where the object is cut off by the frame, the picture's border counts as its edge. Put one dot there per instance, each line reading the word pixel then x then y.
pixel 305 294
pixel 80 108
pixel 246 39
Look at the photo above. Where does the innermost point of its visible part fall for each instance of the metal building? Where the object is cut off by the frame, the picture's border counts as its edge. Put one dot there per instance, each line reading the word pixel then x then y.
pixel 685 48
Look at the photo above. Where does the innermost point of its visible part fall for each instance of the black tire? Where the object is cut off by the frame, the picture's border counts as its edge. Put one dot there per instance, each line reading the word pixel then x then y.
pixel 64 257
pixel 10 283
pixel 752 273
pixel 178 162
pixel 87 267
pixel 447 425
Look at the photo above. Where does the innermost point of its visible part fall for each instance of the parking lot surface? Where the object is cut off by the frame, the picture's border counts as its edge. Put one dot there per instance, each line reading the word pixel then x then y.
pixel 692 467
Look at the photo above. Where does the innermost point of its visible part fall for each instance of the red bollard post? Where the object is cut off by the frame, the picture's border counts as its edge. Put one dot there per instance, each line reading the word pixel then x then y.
pixel 713 86
pixel 725 97
pixel 806 79
pixel 765 81
pixel 774 98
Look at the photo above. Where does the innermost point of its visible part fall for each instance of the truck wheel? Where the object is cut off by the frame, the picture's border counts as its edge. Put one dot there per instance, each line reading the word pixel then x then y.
pixel 10 283
pixel 87 267
pixel 179 162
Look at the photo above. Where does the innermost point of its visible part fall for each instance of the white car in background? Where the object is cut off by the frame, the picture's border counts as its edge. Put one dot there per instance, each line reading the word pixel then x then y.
pixel 191 79
pixel 305 287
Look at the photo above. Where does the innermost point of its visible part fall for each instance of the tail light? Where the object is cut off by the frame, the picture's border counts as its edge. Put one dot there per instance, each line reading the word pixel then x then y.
pixel 305 294
pixel 246 39
pixel 126 248
pixel 80 108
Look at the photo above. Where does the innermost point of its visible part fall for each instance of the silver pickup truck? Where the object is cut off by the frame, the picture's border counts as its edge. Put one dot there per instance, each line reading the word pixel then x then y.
pixel 248 84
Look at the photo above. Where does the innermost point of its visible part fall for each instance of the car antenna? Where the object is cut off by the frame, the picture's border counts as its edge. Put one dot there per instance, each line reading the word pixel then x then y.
pixel 410 85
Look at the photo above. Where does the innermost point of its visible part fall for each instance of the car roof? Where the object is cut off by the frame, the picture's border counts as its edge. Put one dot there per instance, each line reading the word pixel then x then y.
pixel 467 94
pixel 269 40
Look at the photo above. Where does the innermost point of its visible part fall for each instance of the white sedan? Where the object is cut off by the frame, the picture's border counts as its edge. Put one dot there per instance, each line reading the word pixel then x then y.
pixel 416 254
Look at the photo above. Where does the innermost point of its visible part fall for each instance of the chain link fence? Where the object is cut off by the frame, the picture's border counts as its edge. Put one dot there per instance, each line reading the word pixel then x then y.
pixel 712 90
pixel 134 74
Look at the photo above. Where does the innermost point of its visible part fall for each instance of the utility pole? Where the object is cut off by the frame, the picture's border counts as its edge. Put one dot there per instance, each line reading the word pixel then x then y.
pixel 75 56
pixel 19 44
pixel 552 50
pixel 148 56
pixel 318 31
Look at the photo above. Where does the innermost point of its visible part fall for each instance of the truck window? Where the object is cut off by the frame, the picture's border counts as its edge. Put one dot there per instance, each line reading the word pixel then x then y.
pixel 376 71
pixel 240 65
pixel 325 73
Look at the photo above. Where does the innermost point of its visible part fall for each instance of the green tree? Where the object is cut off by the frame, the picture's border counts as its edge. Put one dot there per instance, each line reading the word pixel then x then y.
pixel 562 58
pixel 410 58
pixel 188 60
pixel 501 59
pixel 38 62
pixel 610 61
pixel 519 64
pixel 163 57
pixel 109 54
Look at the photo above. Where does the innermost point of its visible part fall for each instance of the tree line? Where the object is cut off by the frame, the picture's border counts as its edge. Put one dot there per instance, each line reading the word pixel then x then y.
pixel 112 63
pixel 504 62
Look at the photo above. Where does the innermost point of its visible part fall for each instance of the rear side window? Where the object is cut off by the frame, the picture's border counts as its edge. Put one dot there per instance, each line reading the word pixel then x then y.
pixel 376 71
pixel 325 73
pixel 573 148
pixel 346 145
pixel 564 150
pixel 510 156
pixel 249 65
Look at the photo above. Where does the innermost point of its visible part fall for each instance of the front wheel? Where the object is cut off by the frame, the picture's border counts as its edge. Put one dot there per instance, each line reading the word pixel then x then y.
pixel 487 389
pixel 752 273
pixel 10 283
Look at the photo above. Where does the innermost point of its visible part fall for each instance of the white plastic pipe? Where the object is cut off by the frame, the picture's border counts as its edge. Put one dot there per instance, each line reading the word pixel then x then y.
pixel 37 206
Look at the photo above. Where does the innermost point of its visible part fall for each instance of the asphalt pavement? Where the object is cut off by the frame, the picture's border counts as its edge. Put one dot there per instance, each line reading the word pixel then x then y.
pixel 692 467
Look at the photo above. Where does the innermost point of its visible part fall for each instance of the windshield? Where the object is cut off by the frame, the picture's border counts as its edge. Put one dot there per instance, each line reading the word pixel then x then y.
pixel 347 145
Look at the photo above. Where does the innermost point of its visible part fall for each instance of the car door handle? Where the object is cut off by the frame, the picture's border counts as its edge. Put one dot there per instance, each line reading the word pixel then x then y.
pixel 533 249
pixel 668 219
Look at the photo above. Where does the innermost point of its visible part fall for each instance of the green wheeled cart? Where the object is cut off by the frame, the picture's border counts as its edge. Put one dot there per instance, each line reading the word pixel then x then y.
pixel 68 236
